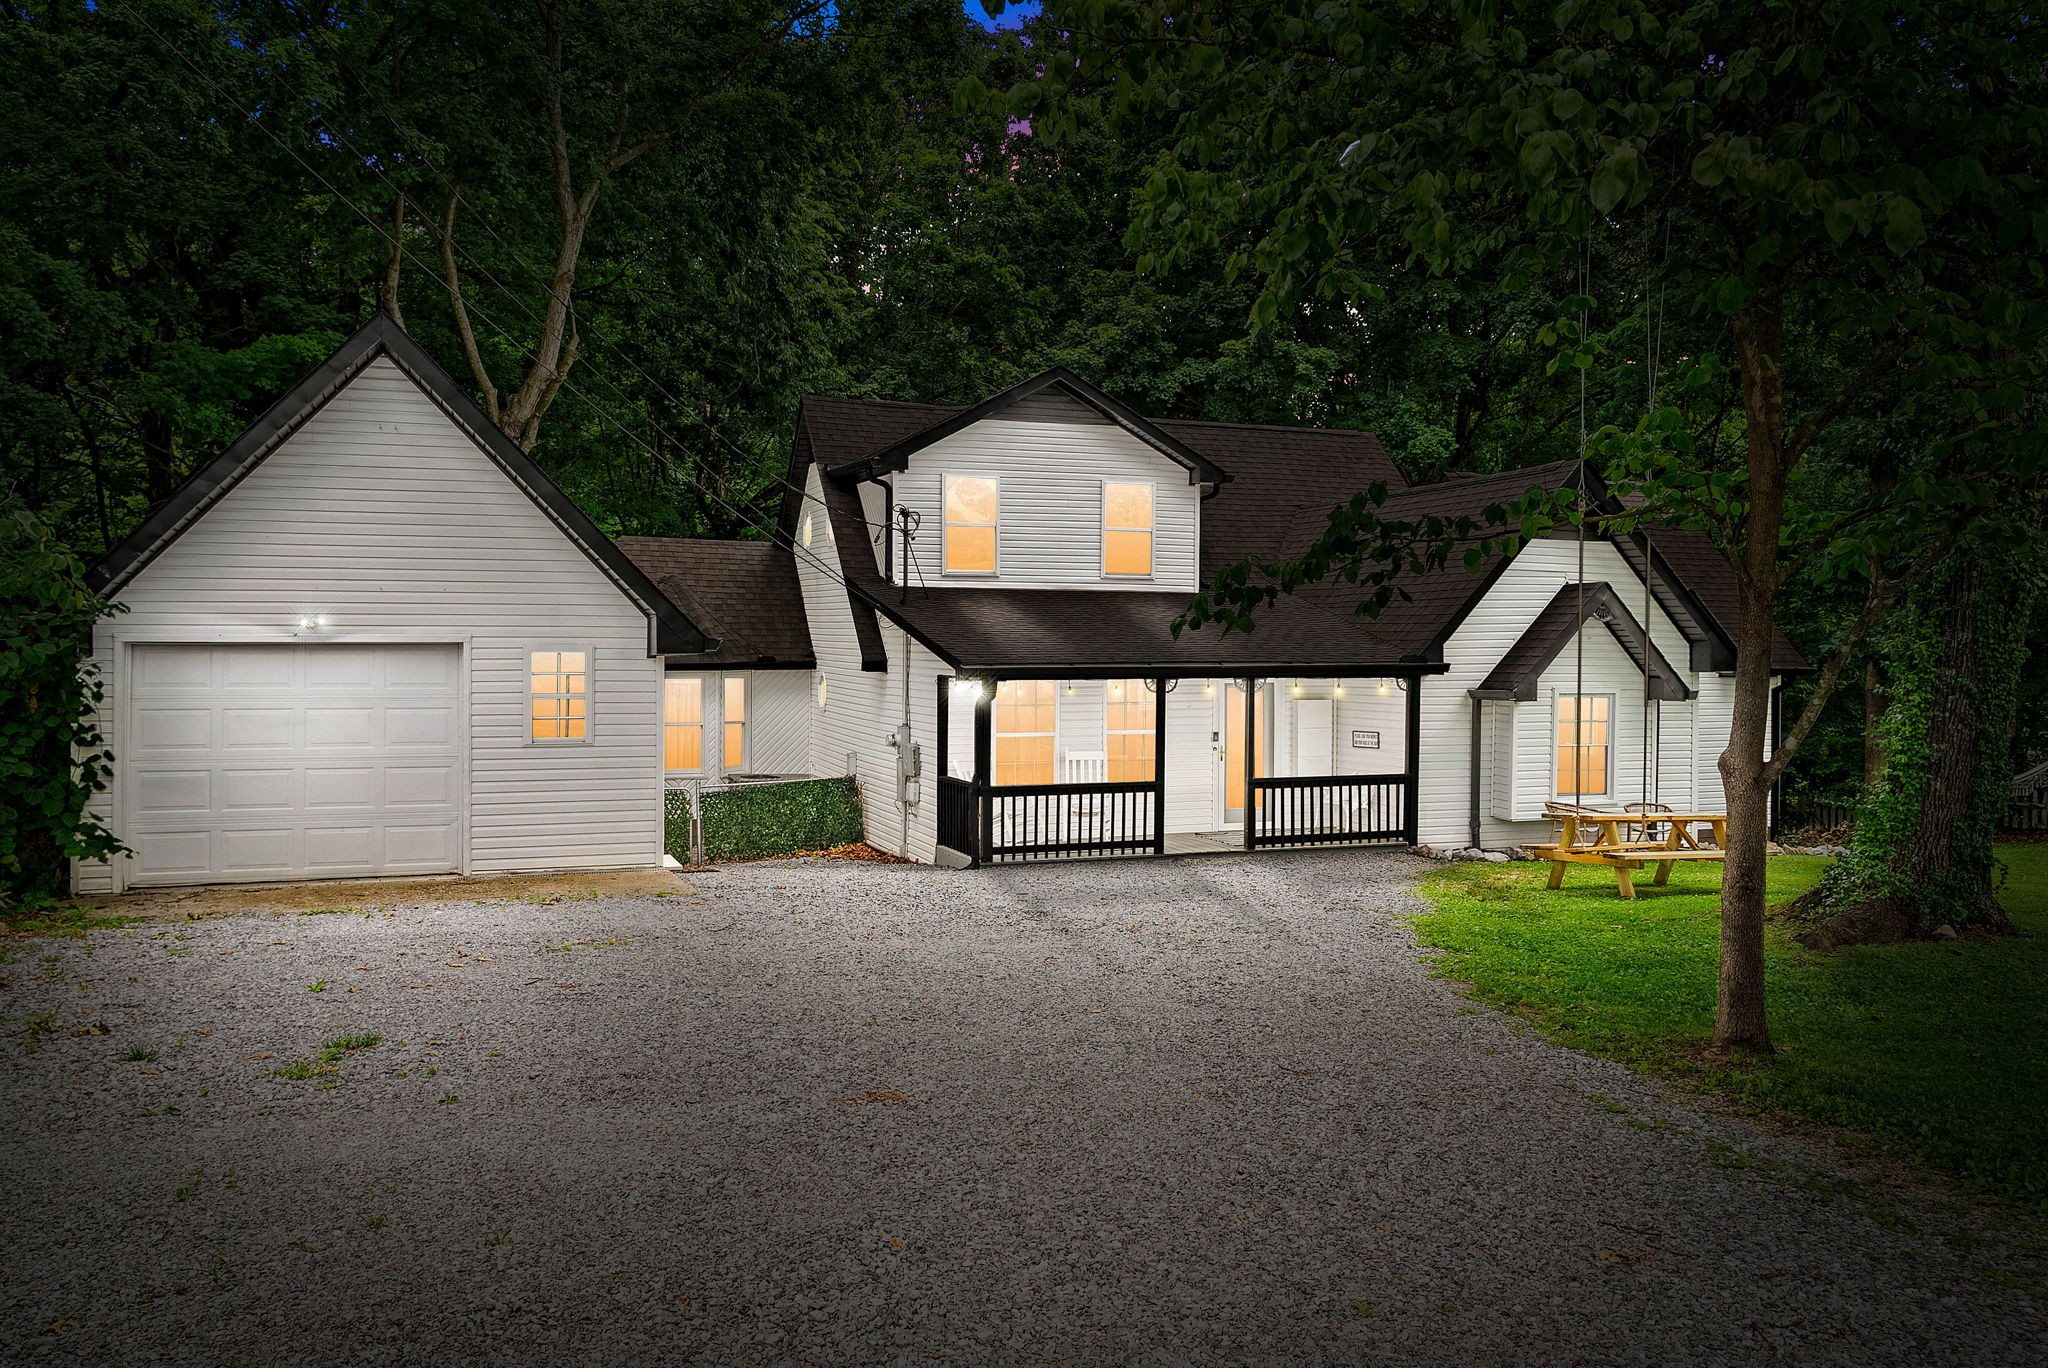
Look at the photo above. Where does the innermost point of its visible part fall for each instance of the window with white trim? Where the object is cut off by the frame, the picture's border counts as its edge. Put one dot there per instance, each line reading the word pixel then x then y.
pixel 1130 712
pixel 971 505
pixel 735 755
pixel 558 686
pixel 1585 746
pixel 1126 528
pixel 682 723
pixel 1025 725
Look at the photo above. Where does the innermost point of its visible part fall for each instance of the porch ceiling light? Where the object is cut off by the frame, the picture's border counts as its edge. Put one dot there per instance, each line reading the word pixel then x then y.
pixel 1383 688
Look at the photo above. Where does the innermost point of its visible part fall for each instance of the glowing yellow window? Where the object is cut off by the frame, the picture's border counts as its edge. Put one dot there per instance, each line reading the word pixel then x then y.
pixel 1583 745
pixel 970 525
pixel 735 722
pixel 1127 726
pixel 1024 725
pixel 1126 529
pixel 682 723
pixel 559 686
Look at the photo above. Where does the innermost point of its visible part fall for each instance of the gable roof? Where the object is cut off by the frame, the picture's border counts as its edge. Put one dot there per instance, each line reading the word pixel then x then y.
pixel 1703 570
pixel 1284 481
pixel 670 629
pixel 896 454
pixel 745 591
pixel 1558 625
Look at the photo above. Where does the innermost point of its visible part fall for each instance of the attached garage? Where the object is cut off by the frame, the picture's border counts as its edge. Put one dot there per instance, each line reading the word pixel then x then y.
pixel 302 761
pixel 337 651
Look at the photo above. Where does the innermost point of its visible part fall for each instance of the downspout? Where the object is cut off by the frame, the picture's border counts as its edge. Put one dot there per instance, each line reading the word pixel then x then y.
pixel 1473 821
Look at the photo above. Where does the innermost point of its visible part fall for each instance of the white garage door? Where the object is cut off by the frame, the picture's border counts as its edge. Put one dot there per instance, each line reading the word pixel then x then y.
pixel 282 762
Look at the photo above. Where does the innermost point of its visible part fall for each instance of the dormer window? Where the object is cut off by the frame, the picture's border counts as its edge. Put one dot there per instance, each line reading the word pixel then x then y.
pixel 971 502
pixel 1126 528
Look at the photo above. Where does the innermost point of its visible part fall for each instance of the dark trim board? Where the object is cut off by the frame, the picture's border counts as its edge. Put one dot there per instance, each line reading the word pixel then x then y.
pixel 670 631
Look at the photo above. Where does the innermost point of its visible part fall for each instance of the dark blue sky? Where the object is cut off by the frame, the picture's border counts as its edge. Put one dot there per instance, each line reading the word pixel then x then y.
pixel 1010 15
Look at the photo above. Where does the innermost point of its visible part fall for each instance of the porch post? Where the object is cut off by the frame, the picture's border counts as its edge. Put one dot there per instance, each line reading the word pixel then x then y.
pixel 945 683
pixel 984 757
pixel 1159 766
pixel 1251 757
pixel 1412 824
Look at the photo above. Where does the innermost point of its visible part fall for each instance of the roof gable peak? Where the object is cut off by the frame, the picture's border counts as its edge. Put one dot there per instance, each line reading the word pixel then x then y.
pixel 897 456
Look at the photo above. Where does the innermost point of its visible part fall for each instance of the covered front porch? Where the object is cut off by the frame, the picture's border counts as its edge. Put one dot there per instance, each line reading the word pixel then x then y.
pixel 1038 767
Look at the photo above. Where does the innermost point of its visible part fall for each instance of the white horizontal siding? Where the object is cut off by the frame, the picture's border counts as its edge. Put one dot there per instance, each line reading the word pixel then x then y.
pixel 384 516
pixel 861 709
pixel 1524 589
pixel 1050 516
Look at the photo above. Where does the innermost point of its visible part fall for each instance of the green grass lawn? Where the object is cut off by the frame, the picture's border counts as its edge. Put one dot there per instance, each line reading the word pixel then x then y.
pixel 1939 1050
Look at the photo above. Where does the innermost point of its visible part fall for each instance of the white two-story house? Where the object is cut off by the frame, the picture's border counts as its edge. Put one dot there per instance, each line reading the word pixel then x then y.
pixel 372 637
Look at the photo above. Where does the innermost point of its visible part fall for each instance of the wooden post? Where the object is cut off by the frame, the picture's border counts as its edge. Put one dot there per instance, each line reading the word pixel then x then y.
pixel 1159 766
pixel 945 683
pixel 1411 828
pixel 984 764
pixel 1251 758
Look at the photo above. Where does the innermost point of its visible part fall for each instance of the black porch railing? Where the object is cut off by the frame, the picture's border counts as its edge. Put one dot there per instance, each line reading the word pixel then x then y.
pixel 1058 821
pixel 1328 810
pixel 959 815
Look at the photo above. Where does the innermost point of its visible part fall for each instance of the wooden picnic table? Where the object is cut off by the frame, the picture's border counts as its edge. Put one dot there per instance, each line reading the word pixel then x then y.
pixel 1613 847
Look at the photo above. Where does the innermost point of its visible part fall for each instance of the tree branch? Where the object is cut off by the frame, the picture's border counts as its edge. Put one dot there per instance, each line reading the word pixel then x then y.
pixel 462 328
pixel 1880 602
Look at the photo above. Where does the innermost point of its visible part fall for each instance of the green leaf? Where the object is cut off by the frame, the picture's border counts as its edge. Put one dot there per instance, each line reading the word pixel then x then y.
pixel 1903 229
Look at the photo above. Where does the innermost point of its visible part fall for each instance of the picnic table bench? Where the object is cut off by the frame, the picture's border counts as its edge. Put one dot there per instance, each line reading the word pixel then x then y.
pixel 1626 841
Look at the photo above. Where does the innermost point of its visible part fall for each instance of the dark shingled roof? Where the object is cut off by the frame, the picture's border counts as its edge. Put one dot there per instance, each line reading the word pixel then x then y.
pixel 1283 483
pixel 1557 626
pixel 748 589
pixel 1705 571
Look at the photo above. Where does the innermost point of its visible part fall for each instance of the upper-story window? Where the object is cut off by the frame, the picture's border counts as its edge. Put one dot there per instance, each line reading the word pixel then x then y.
pixel 1126 528
pixel 971 502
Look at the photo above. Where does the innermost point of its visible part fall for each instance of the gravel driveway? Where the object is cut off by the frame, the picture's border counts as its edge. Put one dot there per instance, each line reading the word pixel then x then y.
pixel 1172 1112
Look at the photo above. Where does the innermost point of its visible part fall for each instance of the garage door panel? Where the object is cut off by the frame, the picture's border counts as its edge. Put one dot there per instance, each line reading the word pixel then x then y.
pixel 255 790
pixel 245 728
pixel 413 786
pixel 174 667
pixel 341 728
pixel 259 667
pixel 353 668
pixel 263 851
pixel 423 667
pixel 343 847
pixel 172 729
pixel 330 786
pixel 174 791
pixel 419 728
pixel 276 762
pixel 421 847
pixel 171 854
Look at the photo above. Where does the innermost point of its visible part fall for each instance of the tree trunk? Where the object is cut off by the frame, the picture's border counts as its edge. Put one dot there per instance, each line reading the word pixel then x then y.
pixel 1739 1020
pixel 394 258
pixel 1922 856
pixel 1875 699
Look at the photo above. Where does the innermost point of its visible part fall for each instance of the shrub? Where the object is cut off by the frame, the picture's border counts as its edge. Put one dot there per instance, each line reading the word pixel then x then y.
pixel 52 757
pixel 759 821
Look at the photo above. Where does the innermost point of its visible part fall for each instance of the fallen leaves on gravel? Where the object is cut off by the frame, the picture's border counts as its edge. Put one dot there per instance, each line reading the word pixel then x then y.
pixel 872 1095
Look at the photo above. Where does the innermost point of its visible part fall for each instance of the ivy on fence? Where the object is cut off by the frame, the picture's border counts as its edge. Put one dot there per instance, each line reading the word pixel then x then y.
pixel 760 821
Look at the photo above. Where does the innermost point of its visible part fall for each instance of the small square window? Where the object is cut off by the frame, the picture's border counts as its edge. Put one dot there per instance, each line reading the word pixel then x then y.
pixel 558 686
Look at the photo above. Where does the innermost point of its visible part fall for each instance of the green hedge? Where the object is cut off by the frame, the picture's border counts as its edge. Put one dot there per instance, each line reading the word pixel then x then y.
pixel 759 821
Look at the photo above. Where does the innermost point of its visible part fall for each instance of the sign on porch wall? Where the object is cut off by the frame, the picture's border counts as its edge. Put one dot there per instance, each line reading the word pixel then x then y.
pixel 1365 740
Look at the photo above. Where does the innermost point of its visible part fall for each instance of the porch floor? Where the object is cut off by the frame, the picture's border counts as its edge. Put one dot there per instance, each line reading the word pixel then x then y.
pixel 1205 843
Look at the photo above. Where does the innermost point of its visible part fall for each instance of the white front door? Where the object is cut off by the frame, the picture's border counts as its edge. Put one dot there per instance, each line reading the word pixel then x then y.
pixel 245 763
